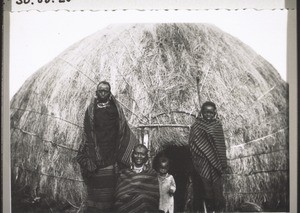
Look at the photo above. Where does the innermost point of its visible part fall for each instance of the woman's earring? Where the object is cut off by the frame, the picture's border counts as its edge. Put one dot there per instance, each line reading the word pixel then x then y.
pixel 130 161
pixel 216 116
pixel 200 114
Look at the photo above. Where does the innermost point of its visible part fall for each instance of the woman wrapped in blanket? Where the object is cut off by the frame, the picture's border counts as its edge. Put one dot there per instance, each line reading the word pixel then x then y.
pixel 106 146
pixel 137 188
pixel 208 150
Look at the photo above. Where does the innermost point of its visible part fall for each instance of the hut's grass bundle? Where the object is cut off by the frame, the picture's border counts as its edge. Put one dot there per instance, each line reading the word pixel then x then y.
pixel 152 69
pixel 164 137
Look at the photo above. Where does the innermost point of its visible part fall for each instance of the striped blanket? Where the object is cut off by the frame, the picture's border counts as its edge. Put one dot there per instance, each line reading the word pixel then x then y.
pixel 89 153
pixel 208 150
pixel 207 146
pixel 137 192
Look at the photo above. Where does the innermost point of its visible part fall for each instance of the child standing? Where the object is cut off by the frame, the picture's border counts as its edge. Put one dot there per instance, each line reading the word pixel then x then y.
pixel 167 186
pixel 208 150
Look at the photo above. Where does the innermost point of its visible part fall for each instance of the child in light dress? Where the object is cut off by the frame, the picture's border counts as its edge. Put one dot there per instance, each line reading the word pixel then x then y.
pixel 167 186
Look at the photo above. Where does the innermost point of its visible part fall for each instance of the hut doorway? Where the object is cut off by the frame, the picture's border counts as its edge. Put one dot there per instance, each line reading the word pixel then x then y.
pixel 180 167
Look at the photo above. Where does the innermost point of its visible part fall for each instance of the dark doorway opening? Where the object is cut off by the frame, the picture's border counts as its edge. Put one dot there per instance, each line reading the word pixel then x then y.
pixel 180 168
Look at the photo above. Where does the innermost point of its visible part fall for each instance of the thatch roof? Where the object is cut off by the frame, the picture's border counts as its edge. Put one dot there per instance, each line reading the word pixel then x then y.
pixel 152 69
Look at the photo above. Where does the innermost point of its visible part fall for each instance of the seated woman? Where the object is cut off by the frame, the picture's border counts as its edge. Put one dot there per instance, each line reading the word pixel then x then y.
pixel 137 188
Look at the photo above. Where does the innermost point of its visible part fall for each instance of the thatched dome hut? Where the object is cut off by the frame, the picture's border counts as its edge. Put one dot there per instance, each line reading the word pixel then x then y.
pixel 152 69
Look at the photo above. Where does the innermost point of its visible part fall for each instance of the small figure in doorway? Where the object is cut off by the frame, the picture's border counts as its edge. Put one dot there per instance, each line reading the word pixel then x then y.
pixel 167 186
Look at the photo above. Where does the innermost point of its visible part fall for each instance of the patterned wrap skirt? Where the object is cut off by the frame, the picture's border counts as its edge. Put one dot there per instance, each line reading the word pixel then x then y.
pixel 100 190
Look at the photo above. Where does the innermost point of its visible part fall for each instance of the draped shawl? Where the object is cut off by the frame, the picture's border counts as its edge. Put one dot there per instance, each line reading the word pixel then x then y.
pixel 207 146
pixel 88 152
pixel 137 192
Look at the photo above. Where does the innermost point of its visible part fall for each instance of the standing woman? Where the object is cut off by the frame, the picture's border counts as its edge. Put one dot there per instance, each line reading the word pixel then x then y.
pixel 208 150
pixel 106 145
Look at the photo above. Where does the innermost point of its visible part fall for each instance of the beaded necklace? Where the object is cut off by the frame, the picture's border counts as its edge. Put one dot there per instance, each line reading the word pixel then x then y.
pixel 103 105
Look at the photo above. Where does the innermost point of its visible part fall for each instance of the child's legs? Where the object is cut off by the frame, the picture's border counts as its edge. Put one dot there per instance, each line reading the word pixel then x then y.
pixel 198 193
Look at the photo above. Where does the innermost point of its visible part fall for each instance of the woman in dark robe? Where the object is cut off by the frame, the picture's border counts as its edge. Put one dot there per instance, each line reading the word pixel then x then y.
pixel 106 146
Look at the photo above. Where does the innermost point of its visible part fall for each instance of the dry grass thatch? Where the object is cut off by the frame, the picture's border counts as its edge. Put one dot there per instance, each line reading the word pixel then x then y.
pixel 152 69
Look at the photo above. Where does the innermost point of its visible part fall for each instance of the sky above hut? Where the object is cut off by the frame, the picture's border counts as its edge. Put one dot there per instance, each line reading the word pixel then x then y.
pixel 36 38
